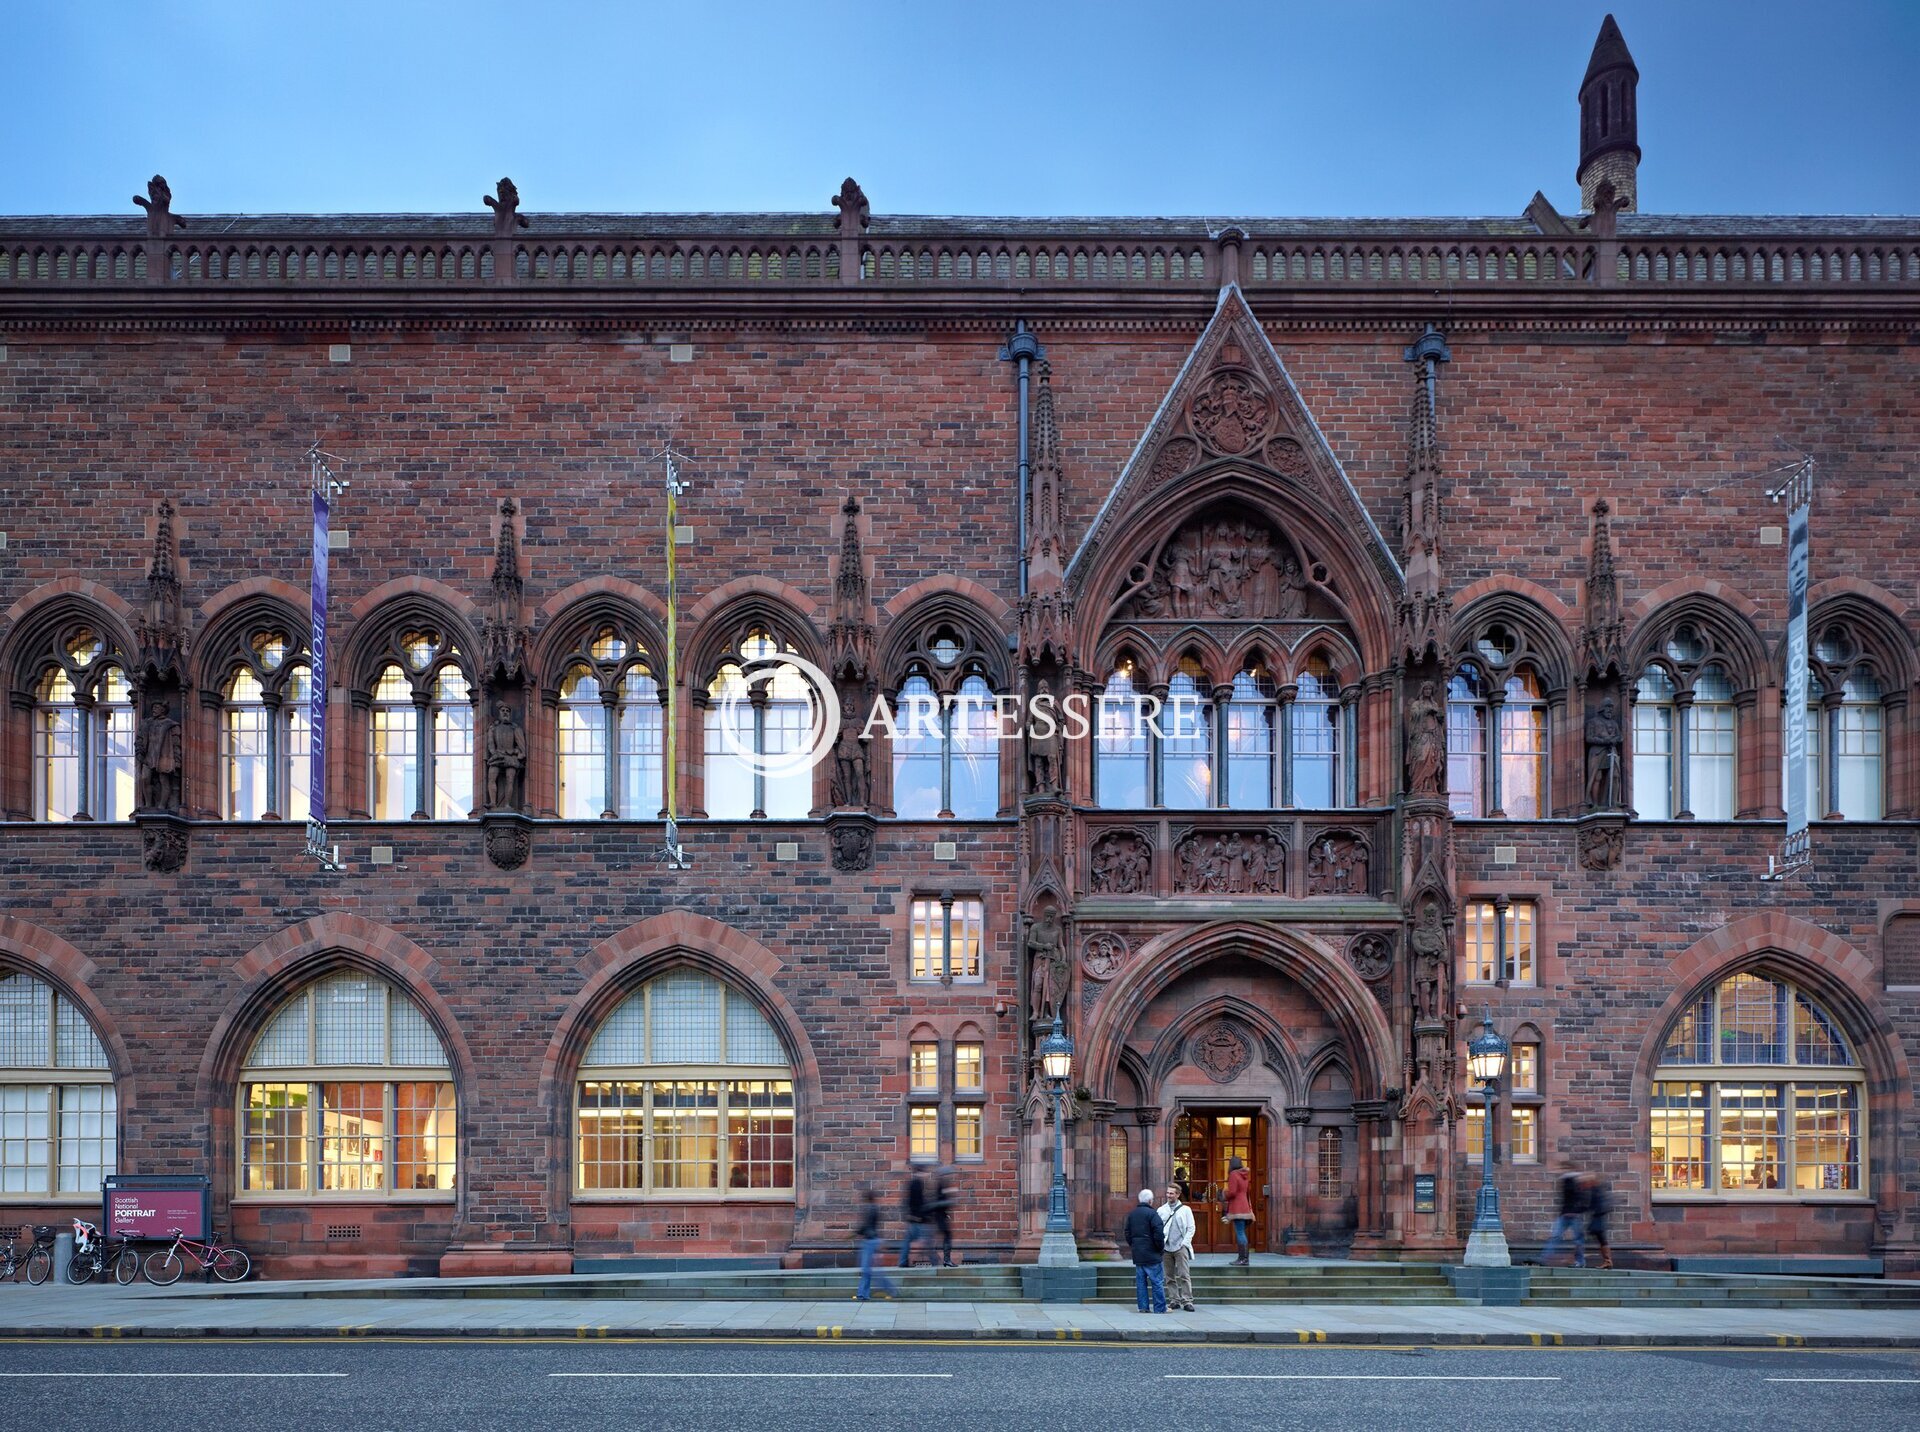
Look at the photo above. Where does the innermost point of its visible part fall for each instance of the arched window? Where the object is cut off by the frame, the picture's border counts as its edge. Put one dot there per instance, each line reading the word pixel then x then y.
pixel 754 720
pixel 83 765
pixel 610 734
pixel 264 740
pixel 1123 749
pixel 685 1093
pixel 1466 741
pixel 1846 731
pixel 1250 741
pixel 1186 741
pixel 58 1117
pixel 1758 1094
pixel 1522 790
pixel 1685 728
pixel 420 747
pixel 347 1092
pixel 946 756
pixel 1314 736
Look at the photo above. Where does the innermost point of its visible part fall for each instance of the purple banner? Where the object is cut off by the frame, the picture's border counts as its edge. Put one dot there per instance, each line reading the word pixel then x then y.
pixel 1798 786
pixel 317 647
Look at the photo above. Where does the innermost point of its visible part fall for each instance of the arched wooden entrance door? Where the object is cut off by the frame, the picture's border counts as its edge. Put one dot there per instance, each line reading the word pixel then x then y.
pixel 1205 1143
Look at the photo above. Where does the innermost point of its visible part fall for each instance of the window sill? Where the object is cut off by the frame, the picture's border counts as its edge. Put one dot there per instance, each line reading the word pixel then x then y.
pixel 773 1196
pixel 1769 1196
pixel 35 1200
pixel 406 1195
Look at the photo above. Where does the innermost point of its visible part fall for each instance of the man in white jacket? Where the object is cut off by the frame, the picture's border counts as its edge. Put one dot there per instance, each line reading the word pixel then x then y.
pixel 1177 1219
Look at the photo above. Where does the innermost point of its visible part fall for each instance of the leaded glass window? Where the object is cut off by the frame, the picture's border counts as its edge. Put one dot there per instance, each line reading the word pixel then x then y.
pixel 1758 1094
pixel 346 1092
pixel 58 1112
pixel 685 1092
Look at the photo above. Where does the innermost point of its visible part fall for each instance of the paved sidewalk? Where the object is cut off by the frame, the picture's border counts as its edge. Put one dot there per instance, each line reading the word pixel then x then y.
pixel 264 1311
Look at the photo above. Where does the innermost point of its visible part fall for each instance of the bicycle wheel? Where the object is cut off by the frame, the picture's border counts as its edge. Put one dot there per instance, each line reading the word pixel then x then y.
pixel 81 1267
pixel 231 1265
pixel 127 1266
pixel 39 1264
pixel 164 1267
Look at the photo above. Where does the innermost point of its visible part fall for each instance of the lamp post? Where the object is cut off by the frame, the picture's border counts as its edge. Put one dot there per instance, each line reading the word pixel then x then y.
pixel 1486 1062
pixel 1057 1247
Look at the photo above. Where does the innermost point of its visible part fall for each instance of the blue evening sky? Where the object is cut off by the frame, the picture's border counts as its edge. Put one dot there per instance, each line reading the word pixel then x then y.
pixel 1403 107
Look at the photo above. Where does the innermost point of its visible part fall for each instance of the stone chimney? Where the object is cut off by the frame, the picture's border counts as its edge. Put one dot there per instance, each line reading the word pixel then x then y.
pixel 1610 122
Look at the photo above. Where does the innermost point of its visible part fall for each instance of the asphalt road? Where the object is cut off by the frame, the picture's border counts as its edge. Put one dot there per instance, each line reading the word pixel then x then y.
pixel 748 1387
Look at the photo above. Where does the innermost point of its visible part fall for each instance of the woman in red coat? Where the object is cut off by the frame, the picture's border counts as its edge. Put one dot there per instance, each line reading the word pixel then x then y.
pixel 1239 1210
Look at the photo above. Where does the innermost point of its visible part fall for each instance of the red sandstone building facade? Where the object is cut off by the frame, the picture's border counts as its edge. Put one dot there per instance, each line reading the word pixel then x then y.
pixel 1445 540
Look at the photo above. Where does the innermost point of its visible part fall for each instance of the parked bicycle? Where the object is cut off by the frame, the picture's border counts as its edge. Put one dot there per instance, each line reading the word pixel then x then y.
pixel 165 1265
pixel 95 1254
pixel 39 1259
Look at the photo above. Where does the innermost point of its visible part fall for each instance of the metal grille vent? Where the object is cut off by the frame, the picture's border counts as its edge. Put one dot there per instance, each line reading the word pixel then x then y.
pixel 683 1230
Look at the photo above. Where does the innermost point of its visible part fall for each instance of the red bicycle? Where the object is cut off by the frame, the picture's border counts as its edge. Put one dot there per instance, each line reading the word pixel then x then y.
pixel 165 1265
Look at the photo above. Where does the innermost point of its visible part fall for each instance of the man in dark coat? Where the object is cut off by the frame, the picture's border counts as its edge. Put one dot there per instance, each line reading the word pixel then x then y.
pixel 914 1210
pixel 1146 1239
pixel 1576 1200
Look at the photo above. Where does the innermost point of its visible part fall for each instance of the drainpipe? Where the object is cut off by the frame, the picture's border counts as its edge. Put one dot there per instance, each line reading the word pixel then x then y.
pixel 1023 348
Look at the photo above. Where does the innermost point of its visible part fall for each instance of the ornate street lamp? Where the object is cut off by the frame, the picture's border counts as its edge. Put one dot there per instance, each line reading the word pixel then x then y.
pixel 1486 1062
pixel 1057 1246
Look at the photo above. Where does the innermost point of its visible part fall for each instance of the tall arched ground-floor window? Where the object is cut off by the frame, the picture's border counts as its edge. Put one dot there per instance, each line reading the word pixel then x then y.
pixel 58 1113
pixel 1758 1095
pixel 685 1093
pixel 346 1094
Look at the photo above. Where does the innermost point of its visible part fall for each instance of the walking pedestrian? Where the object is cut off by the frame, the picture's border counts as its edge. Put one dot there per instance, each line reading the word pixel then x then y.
pixel 1599 1205
pixel 1177 1219
pixel 868 1237
pixel 1146 1240
pixel 1239 1208
pixel 940 1208
pixel 1571 1222
pixel 913 1209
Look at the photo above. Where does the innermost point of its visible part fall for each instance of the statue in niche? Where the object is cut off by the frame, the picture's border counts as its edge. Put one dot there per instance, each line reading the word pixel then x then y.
pixel 1049 968
pixel 158 755
pixel 1429 941
pixel 1604 734
pixel 1426 744
pixel 1044 752
pixel 852 786
pixel 506 759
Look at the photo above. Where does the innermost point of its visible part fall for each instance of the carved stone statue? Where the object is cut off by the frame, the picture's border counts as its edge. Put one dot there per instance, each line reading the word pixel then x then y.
pixel 158 755
pixel 1050 970
pixel 506 208
pixel 161 220
pixel 852 786
pixel 1429 941
pixel 1426 744
pixel 1604 734
pixel 1044 755
pixel 506 760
